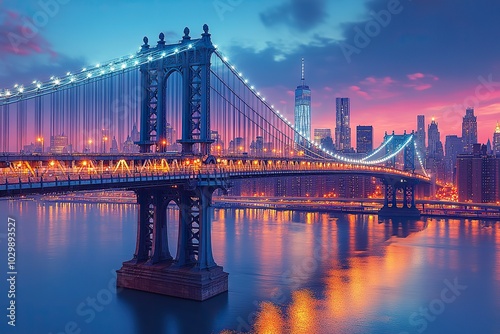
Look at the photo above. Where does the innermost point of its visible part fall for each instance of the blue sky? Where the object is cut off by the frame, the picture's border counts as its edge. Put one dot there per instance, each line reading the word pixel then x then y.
pixel 425 57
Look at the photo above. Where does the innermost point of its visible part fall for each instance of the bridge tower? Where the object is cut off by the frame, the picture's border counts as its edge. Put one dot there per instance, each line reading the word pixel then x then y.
pixel 191 59
pixel 192 273
pixel 409 150
pixel 399 187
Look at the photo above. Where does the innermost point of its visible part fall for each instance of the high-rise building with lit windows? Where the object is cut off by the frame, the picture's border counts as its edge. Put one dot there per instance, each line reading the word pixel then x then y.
pixel 302 110
pixel 435 148
pixel 496 140
pixel 453 147
pixel 320 134
pixel 364 138
pixel 343 124
pixel 420 134
pixel 478 176
pixel 469 130
pixel 435 153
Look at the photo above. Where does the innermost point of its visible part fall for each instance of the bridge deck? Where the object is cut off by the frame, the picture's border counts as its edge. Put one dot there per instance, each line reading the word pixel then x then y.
pixel 74 181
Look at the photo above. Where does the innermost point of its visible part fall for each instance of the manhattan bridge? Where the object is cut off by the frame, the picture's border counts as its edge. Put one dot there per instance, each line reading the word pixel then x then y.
pixel 201 124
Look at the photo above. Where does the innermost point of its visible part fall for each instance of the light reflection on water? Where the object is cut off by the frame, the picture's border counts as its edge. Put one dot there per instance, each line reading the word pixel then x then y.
pixel 290 272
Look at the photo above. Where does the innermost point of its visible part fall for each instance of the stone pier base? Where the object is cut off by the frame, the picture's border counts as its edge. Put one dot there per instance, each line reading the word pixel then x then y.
pixel 167 279
pixel 386 212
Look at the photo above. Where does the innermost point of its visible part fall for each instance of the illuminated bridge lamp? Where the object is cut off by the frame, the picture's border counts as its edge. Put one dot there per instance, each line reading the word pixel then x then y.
pixel 40 140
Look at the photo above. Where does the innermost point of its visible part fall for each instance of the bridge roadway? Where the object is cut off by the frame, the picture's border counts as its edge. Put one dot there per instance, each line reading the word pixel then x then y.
pixel 53 180
pixel 430 208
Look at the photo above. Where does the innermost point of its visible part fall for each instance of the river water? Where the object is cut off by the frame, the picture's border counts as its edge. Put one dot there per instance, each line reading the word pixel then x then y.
pixel 289 272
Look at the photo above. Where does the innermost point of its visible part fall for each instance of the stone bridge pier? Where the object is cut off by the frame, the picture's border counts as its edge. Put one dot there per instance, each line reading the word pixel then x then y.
pixel 399 198
pixel 192 273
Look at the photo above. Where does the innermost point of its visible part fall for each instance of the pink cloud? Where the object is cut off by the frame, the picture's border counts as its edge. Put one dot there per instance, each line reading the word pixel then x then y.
pixel 491 110
pixel 370 80
pixel 377 88
pixel 328 89
pixel 12 14
pixel 419 87
pixel 387 81
pixel 15 39
pixel 423 81
pixel 416 76
pixel 378 81
pixel 360 92
pixel 423 87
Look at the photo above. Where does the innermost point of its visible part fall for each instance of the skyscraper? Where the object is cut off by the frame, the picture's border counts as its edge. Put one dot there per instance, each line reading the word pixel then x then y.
pixel 454 147
pixel 420 133
pixel 324 138
pixel 478 176
pixel 59 144
pixel 434 160
pixel 469 130
pixel 343 125
pixel 496 140
pixel 435 148
pixel 114 146
pixel 303 109
pixel 364 138
pixel 321 134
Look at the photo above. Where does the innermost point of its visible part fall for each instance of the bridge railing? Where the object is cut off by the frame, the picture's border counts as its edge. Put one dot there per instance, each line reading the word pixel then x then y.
pixel 240 169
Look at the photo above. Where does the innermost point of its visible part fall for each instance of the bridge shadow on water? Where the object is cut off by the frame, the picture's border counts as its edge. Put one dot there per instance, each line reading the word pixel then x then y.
pixel 401 227
pixel 162 314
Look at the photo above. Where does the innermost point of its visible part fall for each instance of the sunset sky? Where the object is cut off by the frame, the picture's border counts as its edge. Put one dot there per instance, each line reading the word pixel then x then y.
pixel 394 59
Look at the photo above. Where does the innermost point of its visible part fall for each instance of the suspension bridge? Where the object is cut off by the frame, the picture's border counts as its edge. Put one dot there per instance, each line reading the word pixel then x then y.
pixel 174 123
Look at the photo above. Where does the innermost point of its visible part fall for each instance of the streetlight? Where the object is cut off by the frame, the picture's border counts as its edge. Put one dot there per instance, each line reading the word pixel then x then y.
pixel 84 166
pixel 40 140
pixel 90 143
pixel 164 142
pixel 105 139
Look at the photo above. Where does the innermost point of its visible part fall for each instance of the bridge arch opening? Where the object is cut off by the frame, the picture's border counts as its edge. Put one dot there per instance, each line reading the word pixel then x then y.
pixel 173 112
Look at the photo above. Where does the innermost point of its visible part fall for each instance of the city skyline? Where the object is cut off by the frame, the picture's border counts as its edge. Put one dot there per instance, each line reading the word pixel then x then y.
pixel 171 154
pixel 417 85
